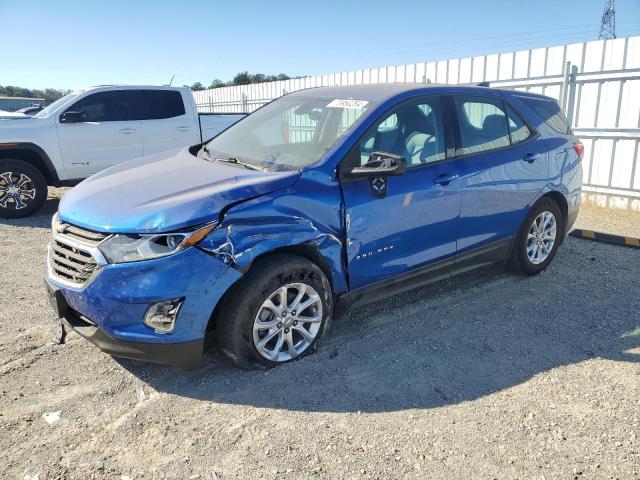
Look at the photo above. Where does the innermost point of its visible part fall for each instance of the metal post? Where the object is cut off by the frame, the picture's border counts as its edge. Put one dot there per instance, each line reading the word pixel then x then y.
pixel 572 94
pixel 244 103
pixel 565 86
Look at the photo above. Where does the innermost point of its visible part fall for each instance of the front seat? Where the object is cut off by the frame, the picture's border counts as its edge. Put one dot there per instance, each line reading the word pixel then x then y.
pixel 419 137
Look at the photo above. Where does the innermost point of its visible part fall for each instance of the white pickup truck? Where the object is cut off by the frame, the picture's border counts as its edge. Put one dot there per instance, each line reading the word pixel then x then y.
pixel 91 129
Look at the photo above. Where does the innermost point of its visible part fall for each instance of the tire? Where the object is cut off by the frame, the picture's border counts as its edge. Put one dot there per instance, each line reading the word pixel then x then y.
pixel 531 256
pixel 244 322
pixel 23 189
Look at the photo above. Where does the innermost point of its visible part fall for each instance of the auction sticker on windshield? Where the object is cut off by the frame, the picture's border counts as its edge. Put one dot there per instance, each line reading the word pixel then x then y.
pixel 347 103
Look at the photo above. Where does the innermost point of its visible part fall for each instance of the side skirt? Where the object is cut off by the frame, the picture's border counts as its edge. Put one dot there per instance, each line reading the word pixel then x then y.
pixel 494 252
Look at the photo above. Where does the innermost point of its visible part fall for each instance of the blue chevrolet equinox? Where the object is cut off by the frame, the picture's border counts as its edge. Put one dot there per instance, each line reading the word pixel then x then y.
pixel 321 199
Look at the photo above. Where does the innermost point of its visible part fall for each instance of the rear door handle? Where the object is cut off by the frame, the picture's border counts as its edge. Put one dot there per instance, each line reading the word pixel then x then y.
pixel 128 131
pixel 183 129
pixel 531 157
pixel 445 178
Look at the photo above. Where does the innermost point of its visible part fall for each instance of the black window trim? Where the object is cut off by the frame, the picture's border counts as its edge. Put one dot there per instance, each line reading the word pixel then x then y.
pixel 533 133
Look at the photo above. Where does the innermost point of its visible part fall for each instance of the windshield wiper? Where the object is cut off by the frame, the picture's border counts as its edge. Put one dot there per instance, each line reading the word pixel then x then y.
pixel 234 160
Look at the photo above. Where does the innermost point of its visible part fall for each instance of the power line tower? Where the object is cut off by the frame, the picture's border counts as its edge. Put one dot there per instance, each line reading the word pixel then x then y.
pixel 608 22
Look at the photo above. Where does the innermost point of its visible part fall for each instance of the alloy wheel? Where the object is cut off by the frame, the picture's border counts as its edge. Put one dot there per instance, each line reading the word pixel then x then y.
pixel 541 237
pixel 287 322
pixel 17 190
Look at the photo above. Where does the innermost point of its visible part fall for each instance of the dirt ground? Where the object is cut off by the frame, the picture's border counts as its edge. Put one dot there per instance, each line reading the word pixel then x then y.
pixel 488 375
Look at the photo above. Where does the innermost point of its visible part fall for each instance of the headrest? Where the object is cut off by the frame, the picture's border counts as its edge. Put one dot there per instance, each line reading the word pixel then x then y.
pixel 496 124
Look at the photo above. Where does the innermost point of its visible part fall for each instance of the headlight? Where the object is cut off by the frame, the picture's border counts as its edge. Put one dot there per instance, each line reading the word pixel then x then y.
pixel 133 248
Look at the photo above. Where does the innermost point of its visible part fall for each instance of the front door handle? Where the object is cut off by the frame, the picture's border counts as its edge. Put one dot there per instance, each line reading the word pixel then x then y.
pixel 183 129
pixel 445 178
pixel 128 131
pixel 531 157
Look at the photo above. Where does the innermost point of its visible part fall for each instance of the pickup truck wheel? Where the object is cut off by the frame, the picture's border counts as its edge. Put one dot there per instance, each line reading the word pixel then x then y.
pixel 276 314
pixel 23 189
pixel 538 239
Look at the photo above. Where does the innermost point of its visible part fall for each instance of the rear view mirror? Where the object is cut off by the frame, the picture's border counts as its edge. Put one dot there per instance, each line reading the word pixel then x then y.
pixel 73 116
pixel 380 164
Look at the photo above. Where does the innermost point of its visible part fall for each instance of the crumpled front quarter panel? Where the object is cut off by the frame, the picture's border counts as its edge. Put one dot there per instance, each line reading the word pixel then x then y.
pixel 306 214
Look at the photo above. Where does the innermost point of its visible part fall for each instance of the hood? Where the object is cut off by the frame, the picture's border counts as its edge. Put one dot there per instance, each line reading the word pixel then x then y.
pixel 164 192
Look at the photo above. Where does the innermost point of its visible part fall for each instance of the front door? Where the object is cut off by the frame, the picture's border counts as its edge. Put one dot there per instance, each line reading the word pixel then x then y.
pixel 107 136
pixel 398 223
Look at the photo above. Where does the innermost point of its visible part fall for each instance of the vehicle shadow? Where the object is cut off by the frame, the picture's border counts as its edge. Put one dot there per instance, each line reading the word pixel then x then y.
pixel 442 344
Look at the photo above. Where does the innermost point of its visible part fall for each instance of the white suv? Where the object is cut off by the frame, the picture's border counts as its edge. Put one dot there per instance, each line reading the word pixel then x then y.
pixel 89 130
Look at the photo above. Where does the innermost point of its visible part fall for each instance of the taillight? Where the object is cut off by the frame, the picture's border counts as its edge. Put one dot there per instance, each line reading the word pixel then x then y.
pixel 579 148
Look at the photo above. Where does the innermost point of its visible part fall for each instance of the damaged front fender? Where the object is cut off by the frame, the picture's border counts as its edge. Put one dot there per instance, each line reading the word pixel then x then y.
pixel 276 223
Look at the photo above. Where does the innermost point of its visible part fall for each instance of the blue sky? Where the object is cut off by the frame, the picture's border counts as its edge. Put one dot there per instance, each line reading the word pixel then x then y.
pixel 69 44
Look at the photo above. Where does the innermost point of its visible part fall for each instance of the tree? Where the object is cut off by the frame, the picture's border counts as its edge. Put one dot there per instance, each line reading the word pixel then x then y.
pixel 217 83
pixel 196 87
pixel 242 78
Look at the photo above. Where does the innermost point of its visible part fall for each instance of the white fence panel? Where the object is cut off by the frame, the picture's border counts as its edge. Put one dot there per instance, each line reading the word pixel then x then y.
pixel 603 95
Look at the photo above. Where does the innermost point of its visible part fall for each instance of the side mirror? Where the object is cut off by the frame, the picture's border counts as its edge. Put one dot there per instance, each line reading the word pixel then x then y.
pixel 380 164
pixel 73 116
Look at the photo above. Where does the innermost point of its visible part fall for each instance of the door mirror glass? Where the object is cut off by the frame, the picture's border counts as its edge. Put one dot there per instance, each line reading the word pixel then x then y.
pixel 380 164
pixel 73 116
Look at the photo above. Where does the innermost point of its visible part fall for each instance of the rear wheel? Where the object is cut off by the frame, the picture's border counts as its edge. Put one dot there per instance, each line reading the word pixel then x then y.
pixel 276 314
pixel 23 189
pixel 539 237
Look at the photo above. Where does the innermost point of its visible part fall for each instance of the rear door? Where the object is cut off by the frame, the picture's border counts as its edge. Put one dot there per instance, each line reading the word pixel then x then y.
pixel 399 223
pixel 165 122
pixel 504 167
pixel 110 134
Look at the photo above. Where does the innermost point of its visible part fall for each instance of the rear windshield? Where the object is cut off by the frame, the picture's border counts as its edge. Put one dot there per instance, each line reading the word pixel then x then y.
pixel 550 111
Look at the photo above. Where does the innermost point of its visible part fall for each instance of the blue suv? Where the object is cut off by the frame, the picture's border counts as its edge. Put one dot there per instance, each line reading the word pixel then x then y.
pixel 323 198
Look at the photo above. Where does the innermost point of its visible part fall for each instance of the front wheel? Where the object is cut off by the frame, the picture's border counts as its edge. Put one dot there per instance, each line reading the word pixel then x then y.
pixel 23 189
pixel 539 237
pixel 276 314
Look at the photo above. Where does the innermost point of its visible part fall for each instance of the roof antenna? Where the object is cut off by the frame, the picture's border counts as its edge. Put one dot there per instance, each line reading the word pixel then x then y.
pixel 174 76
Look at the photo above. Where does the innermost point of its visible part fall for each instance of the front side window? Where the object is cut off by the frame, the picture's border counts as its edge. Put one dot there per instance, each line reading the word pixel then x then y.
pixel 290 133
pixel 414 130
pixel 111 106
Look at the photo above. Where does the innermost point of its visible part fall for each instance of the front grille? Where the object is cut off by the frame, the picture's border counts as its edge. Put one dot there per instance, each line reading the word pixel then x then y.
pixel 69 260
pixel 81 235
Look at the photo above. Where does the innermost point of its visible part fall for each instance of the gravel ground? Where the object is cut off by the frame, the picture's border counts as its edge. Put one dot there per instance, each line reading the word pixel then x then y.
pixel 620 217
pixel 488 375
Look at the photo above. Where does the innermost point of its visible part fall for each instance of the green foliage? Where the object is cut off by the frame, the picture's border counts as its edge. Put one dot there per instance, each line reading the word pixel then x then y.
pixel 49 94
pixel 242 78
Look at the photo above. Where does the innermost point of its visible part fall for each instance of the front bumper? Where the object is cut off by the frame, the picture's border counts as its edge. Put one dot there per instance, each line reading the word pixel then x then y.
pixel 109 310
pixel 184 354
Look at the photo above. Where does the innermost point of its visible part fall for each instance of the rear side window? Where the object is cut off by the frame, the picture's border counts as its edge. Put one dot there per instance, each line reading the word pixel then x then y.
pixel 517 128
pixel 487 124
pixel 550 111
pixel 107 106
pixel 483 125
pixel 158 104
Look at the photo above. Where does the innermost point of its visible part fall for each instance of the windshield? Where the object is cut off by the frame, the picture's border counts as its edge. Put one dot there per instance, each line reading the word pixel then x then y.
pixel 290 133
pixel 61 101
